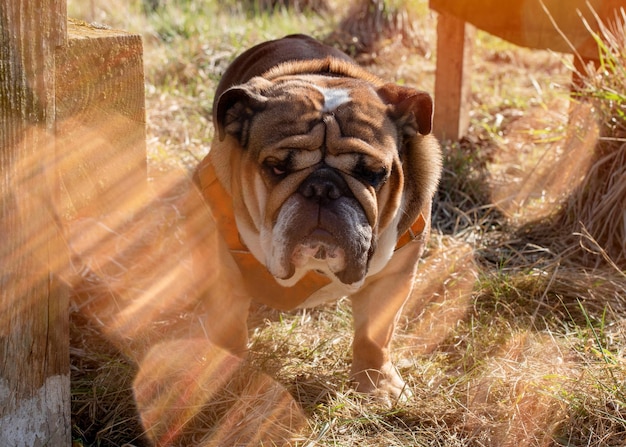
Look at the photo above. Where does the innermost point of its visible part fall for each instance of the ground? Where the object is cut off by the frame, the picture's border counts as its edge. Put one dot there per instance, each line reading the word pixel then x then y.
pixel 507 340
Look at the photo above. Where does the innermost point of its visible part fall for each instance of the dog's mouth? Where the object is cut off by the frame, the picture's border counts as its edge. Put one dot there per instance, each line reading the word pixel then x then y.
pixel 336 242
pixel 320 245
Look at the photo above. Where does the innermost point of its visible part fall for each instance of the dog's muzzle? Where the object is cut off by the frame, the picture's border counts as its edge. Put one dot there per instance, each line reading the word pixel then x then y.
pixel 323 227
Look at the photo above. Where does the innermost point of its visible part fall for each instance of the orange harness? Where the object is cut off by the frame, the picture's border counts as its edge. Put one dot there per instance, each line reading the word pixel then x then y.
pixel 258 281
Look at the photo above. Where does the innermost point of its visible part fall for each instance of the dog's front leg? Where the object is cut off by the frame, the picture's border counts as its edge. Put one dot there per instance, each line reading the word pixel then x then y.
pixel 225 322
pixel 376 309
pixel 222 301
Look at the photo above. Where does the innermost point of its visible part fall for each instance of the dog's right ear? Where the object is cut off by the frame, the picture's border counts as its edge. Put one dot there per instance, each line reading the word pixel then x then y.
pixel 412 109
pixel 237 105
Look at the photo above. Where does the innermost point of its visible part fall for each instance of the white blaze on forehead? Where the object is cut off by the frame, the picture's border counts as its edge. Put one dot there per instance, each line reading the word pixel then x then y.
pixel 333 97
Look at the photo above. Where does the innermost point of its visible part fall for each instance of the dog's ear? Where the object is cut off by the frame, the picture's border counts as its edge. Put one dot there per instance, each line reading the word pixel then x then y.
pixel 411 109
pixel 236 106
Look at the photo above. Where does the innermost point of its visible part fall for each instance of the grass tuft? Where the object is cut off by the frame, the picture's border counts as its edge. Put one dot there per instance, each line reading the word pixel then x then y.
pixel 592 221
pixel 370 25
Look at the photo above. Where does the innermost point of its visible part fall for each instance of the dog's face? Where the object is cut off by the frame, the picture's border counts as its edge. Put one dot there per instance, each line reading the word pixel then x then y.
pixel 316 170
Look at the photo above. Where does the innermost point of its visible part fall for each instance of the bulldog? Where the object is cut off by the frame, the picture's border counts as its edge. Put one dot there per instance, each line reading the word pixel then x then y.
pixel 320 179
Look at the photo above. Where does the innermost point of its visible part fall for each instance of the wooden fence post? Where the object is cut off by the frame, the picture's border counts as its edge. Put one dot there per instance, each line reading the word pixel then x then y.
pixel 453 79
pixel 34 335
pixel 72 146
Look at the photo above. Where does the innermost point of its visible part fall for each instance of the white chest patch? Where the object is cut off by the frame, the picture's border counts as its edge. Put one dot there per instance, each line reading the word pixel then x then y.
pixel 333 97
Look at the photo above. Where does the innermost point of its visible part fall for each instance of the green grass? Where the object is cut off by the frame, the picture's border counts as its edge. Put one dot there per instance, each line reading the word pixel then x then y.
pixel 507 339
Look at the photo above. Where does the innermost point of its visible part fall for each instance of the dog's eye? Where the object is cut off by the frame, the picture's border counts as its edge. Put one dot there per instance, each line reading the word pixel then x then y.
pixel 278 171
pixel 275 167
pixel 374 178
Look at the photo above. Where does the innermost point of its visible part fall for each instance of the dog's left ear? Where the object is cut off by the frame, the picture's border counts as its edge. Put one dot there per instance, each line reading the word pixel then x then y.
pixel 412 109
pixel 236 107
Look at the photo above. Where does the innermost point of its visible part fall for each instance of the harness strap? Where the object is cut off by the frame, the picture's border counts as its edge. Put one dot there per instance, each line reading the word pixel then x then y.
pixel 413 232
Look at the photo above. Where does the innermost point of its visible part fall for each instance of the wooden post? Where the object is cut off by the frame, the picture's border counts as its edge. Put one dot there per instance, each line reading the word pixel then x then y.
pixel 453 79
pixel 100 124
pixel 529 23
pixel 72 145
pixel 34 335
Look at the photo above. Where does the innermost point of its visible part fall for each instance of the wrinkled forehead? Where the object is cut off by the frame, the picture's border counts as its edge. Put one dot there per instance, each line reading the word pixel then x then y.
pixel 298 104
pixel 330 92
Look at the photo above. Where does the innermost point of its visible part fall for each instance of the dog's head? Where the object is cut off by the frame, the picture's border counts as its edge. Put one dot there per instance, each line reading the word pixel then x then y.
pixel 320 171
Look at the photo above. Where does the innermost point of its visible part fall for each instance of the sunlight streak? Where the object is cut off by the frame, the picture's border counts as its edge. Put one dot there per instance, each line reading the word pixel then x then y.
pixel 441 296
pixel 176 379
pixel 535 170
pixel 516 397
pixel 190 392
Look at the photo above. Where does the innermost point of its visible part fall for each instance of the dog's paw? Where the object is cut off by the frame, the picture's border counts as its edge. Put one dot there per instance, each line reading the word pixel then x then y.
pixel 384 385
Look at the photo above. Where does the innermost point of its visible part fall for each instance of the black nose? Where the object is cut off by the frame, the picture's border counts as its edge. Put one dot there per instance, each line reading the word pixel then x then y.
pixel 324 185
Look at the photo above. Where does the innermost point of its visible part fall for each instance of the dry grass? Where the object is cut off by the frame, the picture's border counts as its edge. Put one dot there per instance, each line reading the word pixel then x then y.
pixel 597 207
pixel 511 338
pixel 370 26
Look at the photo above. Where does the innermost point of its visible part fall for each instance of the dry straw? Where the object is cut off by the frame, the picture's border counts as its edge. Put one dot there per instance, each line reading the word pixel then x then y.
pixel 591 225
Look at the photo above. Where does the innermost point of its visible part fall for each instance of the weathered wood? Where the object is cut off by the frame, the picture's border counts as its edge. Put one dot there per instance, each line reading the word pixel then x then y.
pixel 72 144
pixel 34 335
pixel 452 83
pixel 100 122
pixel 542 24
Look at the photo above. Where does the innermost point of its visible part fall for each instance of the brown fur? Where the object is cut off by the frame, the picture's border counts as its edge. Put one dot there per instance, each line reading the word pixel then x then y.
pixel 270 116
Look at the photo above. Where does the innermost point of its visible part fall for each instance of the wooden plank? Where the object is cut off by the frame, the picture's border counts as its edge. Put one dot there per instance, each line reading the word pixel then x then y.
pixel 452 81
pixel 34 334
pixel 531 23
pixel 100 121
